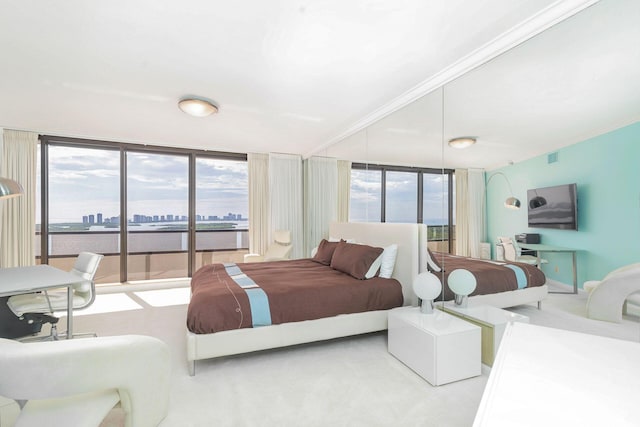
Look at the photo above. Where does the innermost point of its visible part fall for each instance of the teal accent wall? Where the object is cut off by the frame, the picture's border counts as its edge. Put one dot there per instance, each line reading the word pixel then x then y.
pixel 606 170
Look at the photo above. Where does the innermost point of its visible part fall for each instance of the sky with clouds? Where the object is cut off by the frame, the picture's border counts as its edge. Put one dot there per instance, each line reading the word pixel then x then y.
pixel 84 181
pixel 87 181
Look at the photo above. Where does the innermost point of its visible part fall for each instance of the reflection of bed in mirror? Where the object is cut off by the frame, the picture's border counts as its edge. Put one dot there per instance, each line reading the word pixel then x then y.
pixel 248 339
pixel 499 284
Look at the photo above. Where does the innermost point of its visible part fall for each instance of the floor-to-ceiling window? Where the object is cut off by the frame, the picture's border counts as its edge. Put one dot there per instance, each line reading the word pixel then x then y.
pixel 222 208
pixel 83 206
pixel 154 212
pixel 157 215
pixel 384 193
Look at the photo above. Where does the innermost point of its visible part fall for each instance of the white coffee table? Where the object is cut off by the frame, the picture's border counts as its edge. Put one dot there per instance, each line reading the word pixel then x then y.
pixel 439 347
pixel 493 322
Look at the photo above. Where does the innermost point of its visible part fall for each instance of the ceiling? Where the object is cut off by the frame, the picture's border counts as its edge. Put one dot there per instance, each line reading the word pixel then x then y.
pixel 306 76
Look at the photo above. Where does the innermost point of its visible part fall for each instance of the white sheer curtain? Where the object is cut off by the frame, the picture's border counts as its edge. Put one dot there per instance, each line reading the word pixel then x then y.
pixel 285 198
pixel 470 194
pixel 18 225
pixel 258 165
pixel 344 190
pixel 321 199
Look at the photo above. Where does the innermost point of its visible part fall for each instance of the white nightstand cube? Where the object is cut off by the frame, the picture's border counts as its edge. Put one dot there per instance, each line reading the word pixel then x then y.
pixel 439 347
pixel 493 322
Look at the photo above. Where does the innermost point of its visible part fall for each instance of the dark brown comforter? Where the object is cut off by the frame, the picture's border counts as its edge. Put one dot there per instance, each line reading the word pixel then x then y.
pixel 492 276
pixel 297 290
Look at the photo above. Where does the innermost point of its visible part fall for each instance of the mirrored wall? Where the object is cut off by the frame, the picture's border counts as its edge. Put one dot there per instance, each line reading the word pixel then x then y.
pixel 572 82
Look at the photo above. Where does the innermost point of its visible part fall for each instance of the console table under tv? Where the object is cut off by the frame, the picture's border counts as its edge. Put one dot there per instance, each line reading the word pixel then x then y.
pixel 546 248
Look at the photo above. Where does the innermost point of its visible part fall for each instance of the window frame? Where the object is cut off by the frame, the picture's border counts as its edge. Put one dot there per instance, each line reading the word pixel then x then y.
pixel 49 140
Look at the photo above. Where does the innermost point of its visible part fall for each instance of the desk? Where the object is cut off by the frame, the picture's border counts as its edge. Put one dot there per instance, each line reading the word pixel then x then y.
pixel 551 377
pixel 546 248
pixel 25 280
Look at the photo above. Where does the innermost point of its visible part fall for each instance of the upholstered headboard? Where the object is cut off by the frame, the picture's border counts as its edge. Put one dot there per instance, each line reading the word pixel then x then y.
pixel 411 241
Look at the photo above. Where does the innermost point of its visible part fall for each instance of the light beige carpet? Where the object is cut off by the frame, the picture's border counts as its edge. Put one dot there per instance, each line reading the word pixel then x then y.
pixel 345 382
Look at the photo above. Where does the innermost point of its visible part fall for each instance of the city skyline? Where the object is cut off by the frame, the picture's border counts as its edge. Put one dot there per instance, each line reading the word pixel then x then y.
pixel 99 218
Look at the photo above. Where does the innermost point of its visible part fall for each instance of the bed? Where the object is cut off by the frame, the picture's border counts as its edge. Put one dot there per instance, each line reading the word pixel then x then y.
pixel 499 283
pixel 412 258
pixel 409 238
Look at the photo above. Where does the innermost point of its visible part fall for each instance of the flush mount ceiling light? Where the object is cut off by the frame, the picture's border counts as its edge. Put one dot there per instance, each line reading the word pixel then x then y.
pixel 197 107
pixel 462 142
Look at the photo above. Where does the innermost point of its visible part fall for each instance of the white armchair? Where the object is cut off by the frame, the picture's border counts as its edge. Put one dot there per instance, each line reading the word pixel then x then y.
pixel 279 250
pixel 77 382
pixel 607 297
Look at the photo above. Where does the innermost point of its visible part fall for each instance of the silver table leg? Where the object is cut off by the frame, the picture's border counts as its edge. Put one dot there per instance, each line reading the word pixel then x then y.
pixel 69 312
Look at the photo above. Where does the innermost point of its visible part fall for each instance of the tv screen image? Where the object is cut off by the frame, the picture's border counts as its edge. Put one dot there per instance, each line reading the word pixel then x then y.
pixel 553 207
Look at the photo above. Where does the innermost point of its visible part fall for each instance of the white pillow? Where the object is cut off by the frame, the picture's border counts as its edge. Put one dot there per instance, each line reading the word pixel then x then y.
pixel 374 267
pixel 431 263
pixel 388 261
pixel 314 251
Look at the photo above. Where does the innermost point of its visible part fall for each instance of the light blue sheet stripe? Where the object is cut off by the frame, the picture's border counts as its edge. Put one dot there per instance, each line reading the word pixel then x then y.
pixel 232 269
pixel 260 312
pixel 521 277
pixel 258 300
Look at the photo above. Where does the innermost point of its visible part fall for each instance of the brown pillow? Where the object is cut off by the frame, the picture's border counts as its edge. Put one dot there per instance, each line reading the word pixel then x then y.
pixel 325 252
pixel 353 259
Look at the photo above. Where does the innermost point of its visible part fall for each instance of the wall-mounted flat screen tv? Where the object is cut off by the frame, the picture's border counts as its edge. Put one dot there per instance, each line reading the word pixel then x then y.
pixel 553 207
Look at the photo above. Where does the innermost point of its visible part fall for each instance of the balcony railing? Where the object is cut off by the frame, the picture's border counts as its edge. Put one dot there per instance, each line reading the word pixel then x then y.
pixel 152 254
pixel 164 254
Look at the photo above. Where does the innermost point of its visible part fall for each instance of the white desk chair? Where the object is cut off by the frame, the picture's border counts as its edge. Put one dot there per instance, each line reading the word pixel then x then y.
pixel 279 250
pixel 78 382
pixel 514 254
pixel 40 306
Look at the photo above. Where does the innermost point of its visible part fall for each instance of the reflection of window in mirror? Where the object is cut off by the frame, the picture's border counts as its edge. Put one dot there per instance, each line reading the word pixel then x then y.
pixel 401 201
pixel 366 190
pixel 435 210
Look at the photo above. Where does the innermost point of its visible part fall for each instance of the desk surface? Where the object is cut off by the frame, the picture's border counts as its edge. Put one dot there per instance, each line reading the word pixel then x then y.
pixel 544 248
pixel 18 280
pixel 545 376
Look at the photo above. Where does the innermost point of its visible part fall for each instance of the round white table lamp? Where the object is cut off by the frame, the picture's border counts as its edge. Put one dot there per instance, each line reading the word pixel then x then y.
pixel 427 286
pixel 462 282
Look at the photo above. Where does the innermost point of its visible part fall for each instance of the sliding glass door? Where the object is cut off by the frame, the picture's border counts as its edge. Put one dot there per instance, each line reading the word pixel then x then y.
pixel 157 215
pixel 222 209
pixel 83 207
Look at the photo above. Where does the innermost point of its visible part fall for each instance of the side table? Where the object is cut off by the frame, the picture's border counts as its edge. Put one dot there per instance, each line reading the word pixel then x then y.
pixel 439 347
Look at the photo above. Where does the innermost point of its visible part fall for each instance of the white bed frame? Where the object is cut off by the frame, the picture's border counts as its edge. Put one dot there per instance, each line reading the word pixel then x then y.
pixel 411 260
